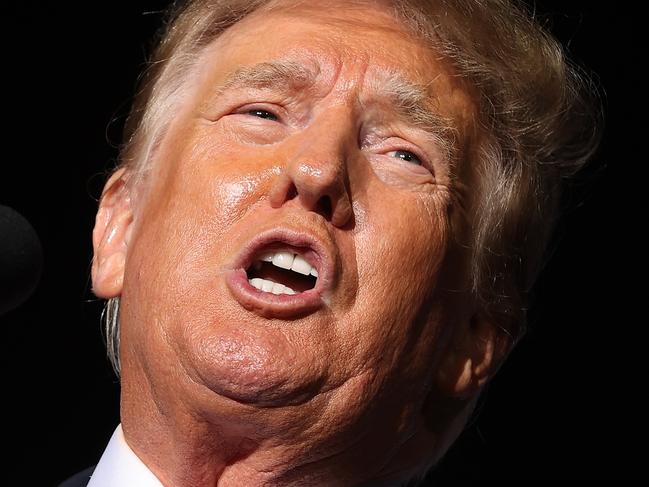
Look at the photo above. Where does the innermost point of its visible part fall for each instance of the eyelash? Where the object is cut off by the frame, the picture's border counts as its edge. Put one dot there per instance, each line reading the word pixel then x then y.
pixel 420 160
pixel 396 144
pixel 254 111
pixel 273 117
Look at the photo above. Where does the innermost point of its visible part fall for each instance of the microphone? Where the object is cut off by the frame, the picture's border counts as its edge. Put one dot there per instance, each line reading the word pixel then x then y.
pixel 21 259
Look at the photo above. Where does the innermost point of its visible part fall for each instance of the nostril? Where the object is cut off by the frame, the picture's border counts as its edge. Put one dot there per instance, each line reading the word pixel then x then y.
pixel 291 193
pixel 324 207
pixel 314 197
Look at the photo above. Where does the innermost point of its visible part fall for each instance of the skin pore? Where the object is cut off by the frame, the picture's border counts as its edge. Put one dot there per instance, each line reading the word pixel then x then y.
pixel 297 120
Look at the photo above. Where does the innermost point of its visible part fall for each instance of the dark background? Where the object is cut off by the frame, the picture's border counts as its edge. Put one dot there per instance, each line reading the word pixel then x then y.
pixel 562 408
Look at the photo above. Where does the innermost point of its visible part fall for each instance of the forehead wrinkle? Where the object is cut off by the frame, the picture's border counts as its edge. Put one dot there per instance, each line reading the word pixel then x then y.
pixel 280 74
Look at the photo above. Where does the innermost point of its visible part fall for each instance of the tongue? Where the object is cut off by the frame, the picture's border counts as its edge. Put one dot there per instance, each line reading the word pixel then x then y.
pixel 297 282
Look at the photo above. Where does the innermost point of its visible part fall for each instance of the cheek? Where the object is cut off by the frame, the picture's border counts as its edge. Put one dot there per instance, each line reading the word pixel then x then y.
pixel 397 277
pixel 216 177
pixel 408 236
pixel 202 190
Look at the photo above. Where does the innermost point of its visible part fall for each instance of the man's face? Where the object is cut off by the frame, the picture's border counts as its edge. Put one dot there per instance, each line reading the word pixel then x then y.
pixel 298 137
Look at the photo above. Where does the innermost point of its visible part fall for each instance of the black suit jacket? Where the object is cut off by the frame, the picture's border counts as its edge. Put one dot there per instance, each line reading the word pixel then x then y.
pixel 80 479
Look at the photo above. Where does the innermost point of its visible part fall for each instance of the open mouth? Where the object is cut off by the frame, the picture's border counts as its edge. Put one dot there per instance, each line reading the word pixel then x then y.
pixel 282 272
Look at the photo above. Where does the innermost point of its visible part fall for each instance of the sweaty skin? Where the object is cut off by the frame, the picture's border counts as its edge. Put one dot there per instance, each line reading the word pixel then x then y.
pixel 219 389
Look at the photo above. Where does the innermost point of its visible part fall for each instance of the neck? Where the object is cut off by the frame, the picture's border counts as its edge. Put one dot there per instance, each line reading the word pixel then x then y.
pixel 213 441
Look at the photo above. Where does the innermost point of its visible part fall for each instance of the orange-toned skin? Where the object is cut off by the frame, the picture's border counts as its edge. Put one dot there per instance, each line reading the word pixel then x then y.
pixel 216 393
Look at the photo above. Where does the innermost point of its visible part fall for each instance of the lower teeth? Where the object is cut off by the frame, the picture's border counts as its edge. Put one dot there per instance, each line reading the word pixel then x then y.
pixel 269 286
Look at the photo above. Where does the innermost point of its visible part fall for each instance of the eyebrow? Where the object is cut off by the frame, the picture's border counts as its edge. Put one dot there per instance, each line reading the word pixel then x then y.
pixel 269 75
pixel 412 103
pixel 410 100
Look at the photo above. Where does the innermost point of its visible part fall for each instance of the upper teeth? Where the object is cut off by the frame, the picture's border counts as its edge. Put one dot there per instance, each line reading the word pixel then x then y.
pixel 289 260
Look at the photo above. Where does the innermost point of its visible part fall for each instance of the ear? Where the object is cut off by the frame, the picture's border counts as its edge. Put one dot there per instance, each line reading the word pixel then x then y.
pixel 475 353
pixel 110 237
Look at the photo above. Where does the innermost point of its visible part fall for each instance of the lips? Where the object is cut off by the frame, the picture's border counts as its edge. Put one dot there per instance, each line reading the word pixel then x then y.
pixel 283 273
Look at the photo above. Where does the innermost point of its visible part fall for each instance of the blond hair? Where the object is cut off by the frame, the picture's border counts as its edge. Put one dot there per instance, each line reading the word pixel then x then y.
pixel 538 113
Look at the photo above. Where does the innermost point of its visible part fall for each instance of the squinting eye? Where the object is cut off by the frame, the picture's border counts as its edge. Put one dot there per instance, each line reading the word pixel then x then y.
pixel 263 114
pixel 407 156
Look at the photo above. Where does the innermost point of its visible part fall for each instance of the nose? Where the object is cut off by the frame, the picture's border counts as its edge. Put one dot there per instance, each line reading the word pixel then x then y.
pixel 315 172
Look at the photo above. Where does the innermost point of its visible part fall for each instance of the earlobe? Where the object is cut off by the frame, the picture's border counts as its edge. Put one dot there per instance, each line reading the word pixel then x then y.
pixel 473 357
pixel 111 237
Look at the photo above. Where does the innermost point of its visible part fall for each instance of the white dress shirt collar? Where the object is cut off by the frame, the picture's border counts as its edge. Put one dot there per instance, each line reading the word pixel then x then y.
pixel 119 466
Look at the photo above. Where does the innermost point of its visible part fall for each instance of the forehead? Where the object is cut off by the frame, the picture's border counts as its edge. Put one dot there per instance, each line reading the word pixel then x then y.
pixel 325 36
pixel 364 45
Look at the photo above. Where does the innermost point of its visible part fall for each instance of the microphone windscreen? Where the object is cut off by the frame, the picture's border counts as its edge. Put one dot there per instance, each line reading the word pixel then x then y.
pixel 21 259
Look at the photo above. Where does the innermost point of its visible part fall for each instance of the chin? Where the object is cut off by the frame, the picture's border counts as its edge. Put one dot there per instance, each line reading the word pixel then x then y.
pixel 252 366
